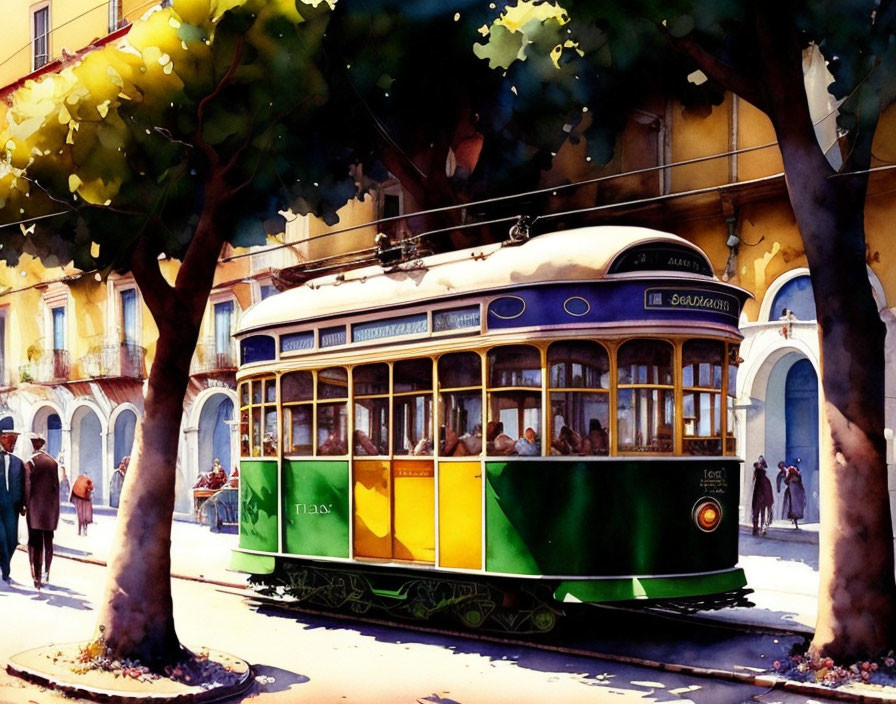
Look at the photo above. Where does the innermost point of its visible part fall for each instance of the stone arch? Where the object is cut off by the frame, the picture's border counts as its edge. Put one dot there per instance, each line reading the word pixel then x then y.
pixel 88 445
pixel 123 426
pixel 46 420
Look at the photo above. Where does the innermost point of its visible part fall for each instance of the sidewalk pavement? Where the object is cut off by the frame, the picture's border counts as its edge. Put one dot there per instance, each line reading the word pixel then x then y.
pixel 781 568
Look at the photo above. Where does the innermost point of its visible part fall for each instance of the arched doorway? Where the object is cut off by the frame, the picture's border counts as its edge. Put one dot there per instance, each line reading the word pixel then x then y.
pixel 47 422
pixel 801 408
pixel 123 441
pixel 87 450
pixel 214 432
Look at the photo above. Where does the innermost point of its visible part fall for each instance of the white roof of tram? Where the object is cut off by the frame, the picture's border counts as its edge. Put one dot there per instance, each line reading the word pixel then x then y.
pixel 568 255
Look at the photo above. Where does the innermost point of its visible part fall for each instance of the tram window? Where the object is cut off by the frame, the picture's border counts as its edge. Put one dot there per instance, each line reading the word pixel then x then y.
pixel 645 362
pixel 332 383
pixel 269 446
pixel 412 407
pixel 733 362
pixel 514 365
pixel 702 362
pixel 580 419
pixel 297 386
pixel 258 418
pixel 514 425
pixel 297 427
pixel 332 426
pixel 371 404
pixel 460 399
pixel 413 375
pixel 645 410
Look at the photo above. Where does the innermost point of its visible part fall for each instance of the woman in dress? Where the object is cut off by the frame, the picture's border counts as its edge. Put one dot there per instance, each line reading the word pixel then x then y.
pixel 82 491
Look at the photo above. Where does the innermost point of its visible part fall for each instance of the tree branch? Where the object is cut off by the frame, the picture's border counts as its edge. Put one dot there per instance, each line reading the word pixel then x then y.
pixel 726 75
pixel 156 291
pixel 206 148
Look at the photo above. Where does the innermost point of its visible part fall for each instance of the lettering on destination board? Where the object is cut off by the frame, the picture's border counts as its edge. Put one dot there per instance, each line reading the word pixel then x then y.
pixel 456 319
pixel 406 325
pixel 690 299
pixel 661 257
pixel 329 337
pixel 714 481
pixel 296 342
pixel 313 509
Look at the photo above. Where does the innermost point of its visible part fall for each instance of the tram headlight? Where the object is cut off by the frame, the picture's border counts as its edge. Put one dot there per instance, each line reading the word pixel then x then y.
pixel 707 514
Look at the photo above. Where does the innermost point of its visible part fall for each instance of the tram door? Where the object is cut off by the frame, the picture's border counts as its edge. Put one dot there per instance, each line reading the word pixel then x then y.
pixel 394 499
pixel 801 403
pixel 394 518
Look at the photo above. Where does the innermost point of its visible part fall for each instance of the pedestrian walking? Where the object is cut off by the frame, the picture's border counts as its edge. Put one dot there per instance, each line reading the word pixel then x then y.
pixel 42 510
pixel 794 495
pixel 763 498
pixel 65 486
pixel 117 481
pixel 82 491
pixel 12 500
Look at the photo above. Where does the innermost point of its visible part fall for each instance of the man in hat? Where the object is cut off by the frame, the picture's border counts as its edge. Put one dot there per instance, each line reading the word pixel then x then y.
pixel 12 499
pixel 42 504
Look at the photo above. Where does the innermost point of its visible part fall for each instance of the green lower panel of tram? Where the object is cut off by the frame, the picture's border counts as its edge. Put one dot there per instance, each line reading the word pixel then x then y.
pixel 316 508
pixel 613 518
pixel 258 505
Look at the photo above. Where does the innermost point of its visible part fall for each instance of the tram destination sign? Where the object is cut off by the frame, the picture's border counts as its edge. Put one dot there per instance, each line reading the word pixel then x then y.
pixel 691 299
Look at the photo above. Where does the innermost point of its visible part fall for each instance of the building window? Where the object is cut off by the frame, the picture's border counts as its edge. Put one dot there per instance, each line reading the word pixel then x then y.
pixel 40 37
pixel 223 328
pixel 129 316
pixel 58 316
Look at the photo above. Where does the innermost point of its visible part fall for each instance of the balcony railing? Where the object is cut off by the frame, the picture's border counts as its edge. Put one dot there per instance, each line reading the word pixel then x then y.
pixel 212 359
pixel 46 367
pixel 122 359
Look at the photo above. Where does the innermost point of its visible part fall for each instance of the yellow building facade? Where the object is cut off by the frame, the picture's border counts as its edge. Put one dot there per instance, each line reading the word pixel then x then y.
pixel 75 351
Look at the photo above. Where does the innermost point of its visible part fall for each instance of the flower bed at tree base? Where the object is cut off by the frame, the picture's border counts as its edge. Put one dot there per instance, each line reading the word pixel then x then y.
pixel 85 670
pixel 875 673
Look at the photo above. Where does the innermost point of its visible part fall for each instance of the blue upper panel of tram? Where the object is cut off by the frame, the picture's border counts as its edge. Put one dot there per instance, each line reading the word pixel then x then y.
pixel 608 302
pixel 641 302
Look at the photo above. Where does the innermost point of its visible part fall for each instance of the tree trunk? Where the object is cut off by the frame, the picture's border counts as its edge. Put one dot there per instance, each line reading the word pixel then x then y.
pixel 857 591
pixel 136 617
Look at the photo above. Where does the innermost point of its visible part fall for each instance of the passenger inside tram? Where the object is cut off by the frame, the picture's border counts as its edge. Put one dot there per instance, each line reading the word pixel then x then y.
pixel 497 441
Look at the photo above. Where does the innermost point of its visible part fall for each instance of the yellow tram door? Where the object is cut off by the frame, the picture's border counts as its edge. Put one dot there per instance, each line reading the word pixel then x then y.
pixel 394 516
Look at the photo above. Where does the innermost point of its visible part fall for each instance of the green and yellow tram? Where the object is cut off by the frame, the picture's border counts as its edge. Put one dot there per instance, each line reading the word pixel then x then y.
pixel 492 432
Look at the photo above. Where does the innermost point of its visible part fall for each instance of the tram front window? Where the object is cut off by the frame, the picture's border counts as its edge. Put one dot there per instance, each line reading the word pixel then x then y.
pixel 514 425
pixel 701 396
pixel 645 398
pixel 412 407
pixel 579 398
pixel 460 399
pixel 371 404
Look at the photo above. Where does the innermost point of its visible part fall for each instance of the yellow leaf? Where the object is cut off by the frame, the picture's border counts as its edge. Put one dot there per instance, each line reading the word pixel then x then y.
pixel 64 116
pixel 94 250
pixel 103 108
pixel 73 182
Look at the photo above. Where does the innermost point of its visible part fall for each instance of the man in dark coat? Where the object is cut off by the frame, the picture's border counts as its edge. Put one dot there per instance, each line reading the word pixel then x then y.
pixel 42 504
pixel 763 498
pixel 12 500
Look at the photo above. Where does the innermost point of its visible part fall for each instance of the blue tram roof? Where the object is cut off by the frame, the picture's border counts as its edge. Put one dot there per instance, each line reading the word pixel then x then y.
pixel 584 254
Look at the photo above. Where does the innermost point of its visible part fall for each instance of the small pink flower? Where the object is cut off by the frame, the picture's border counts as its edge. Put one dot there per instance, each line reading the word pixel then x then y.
pixel 776 664
pixel 889 662
pixel 829 663
pixel 874 667
pixel 866 675
pixel 866 666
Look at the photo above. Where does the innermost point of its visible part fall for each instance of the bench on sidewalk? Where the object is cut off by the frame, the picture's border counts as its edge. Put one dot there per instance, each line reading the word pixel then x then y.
pixel 220 510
